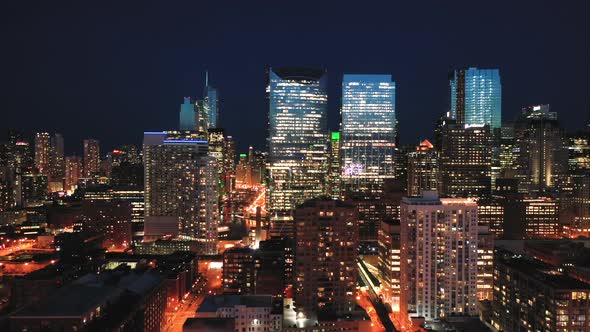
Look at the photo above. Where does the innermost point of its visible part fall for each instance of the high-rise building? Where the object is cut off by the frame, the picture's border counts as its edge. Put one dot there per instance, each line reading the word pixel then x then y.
pixel 91 158
pixel 73 173
pixel 334 168
pixel 211 102
pixel 181 190
pixel 543 154
pixel 297 139
pixel 325 256
pixel 188 114
pixel 390 262
pixel 476 97
pixel 33 187
pixel 466 160
pixel 368 131
pixel 239 274
pixel 533 296
pixel 126 167
pixel 43 152
pixel 57 160
pixel 439 256
pixel 423 169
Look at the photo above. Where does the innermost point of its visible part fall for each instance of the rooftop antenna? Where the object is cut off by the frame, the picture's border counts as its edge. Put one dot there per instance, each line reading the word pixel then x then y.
pixel 206 78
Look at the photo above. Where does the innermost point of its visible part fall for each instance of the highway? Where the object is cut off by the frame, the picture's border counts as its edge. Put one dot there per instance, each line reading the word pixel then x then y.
pixel 373 297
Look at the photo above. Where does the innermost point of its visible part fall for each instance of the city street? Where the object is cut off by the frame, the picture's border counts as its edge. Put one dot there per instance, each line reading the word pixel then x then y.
pixel 192 301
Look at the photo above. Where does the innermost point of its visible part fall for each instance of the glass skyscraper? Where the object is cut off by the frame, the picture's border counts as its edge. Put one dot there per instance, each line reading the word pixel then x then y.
pixel 476 97
pixel 368 130
pixel 297 136
pixel 188 115
pixel 211 101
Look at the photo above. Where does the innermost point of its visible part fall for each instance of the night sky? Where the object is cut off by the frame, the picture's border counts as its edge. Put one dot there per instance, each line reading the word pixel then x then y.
pixel 113 69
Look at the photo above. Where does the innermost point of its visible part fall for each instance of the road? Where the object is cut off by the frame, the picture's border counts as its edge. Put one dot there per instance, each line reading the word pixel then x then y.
pixel 189 305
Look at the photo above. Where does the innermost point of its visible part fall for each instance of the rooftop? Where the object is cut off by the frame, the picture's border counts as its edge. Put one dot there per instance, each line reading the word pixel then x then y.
pixel 209 324
pixel 71 301
pixel 213 302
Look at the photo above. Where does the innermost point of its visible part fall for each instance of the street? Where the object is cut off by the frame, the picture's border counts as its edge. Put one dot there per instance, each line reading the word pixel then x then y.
pixel 189 305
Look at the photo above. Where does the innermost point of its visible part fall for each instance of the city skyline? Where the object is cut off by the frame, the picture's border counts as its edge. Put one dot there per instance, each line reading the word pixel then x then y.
pixel 136 90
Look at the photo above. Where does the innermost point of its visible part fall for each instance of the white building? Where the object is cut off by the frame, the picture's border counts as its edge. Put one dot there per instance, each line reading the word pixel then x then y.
pixel 251 313
pixel 439 243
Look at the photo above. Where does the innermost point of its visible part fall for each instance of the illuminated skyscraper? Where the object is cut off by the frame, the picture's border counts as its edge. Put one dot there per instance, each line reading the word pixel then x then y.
pixel 368 131
pixel 334 172
pixel 57 167
pixel 91 158
pixel 181 188
pixel 297 137
pixel 423 169
pixel 188 114
pixel 466 160
pixel 211 102
pixel 476 97
pixel 543 154
pixel 439 255
pixel 73 173
pixel 43 152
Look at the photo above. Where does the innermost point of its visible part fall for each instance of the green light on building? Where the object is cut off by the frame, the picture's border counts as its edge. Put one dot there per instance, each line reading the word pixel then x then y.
pixel 336 135
pixel 243 155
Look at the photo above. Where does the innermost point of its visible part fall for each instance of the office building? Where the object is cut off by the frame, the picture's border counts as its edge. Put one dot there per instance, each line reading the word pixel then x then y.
pixel 368 131
pixel 423 169
pixel 334 168
pixel 466 160
pixel 43 152
pixel 543 155
pixel 181 190
pixel 91 158
pixel 297 139
pixel 188 114
pixel 33 188
pixel 325 272
pixel 211 104
pixel 533 296
pixel 476 97
pixel 439 256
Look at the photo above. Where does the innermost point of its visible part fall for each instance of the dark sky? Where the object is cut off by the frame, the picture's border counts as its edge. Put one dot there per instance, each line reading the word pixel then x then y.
pixel 112 69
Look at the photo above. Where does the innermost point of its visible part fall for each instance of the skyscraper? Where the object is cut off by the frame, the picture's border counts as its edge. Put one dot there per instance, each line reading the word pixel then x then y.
pixel 334 169
pixel 297 138
pixel 188 114
pixel 368 131
pixel 91 158
pixel 180 188
pixel 43 152
pixel 57 167
pixel 211 102
pixel 466 160
pixel 543 155
pixel 476 97
pixel 439 243
pixel 73 173
pixel 325 256
pixel 423 169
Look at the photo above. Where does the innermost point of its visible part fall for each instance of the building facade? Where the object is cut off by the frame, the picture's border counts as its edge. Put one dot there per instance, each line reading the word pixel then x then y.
pixel 476 97
pixel 181 189
pixel 325 272
pixel 297 139
pixel 439 256
pixel 368 131
pixel 91 158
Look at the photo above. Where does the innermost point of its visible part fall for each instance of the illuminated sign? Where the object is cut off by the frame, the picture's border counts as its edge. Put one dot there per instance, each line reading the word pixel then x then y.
pixel 335 135
pixel 354 169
